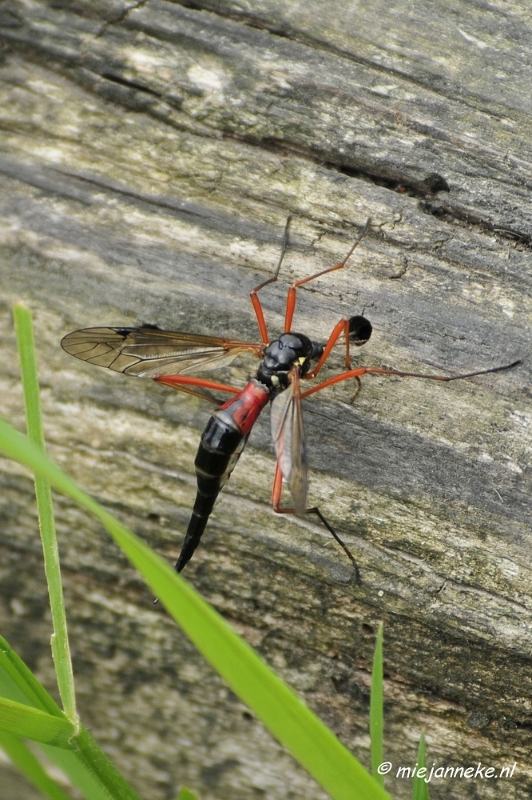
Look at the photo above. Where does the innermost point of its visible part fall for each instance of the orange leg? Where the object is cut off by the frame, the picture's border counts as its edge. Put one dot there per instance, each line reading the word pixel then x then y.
pixel 356 373
pixel 184 383
pixel 341 327
pixel 291 298
pixel 259 313
pixel 276 504
pixel 356 330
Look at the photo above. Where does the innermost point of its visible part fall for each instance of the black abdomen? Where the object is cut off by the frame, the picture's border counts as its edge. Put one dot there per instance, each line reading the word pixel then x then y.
pixel 221 445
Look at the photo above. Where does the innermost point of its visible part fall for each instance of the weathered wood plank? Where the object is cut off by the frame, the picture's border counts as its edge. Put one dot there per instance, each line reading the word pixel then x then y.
pixel 148 161
pixel 349 101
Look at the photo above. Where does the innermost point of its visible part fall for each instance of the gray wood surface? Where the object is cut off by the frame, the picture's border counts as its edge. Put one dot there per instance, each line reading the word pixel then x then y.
pixel 149 156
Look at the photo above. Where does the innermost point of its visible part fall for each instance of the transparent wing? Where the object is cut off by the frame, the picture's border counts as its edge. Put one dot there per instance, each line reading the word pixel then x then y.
pixel 150 352
pixel 289 441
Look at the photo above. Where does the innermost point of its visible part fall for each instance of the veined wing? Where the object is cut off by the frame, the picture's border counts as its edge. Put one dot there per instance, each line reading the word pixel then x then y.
pixel 289 441
pixel 149 352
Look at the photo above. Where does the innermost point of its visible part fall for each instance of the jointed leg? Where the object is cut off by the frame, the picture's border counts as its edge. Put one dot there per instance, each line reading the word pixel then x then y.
pixel 356 330
pixel 291 298
pixel 356 373
pixel 185 383
pixel 341 327
pixel 253 294
pixel 276 504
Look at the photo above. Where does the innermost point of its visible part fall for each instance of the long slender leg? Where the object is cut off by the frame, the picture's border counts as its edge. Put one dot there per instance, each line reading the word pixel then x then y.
pixel 356 373
pixel 276 504
pixel 291 298
pixel 185 383
pixel 356 330
pixel 341 327
pixel 253 294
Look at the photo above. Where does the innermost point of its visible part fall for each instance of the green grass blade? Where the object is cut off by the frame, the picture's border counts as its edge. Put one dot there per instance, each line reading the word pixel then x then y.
pixel 85 763
pixel 79 774
pixel 32 723
pixel 60 646
pixel 186 794
pixel 420 789
pixel 21 756
pixel 94 757
pixel 376 712
pixel 17 682
pixel 286 716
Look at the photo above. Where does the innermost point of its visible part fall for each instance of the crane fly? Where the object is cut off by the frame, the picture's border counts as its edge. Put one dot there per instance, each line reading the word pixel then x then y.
pixel 175 359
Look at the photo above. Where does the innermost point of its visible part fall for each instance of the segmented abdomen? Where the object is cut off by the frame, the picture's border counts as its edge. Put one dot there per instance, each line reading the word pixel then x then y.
pixel 222 442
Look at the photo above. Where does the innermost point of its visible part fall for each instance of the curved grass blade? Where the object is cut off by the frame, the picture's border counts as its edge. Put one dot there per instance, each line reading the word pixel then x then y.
pixel 29 722
pixel 85 764
pixel 21 756
pixel 283 713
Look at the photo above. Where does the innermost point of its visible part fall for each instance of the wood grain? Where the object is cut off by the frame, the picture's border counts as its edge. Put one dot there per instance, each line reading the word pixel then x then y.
pixel 149 157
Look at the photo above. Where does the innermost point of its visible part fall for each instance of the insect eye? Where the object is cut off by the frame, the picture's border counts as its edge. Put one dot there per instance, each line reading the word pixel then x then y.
pixel 359 330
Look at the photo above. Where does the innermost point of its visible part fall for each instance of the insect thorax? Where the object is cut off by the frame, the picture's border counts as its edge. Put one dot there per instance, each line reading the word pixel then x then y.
pixel 283 354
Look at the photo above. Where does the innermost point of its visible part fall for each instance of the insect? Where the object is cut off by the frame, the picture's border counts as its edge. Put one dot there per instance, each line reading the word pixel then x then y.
pixel 174 359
